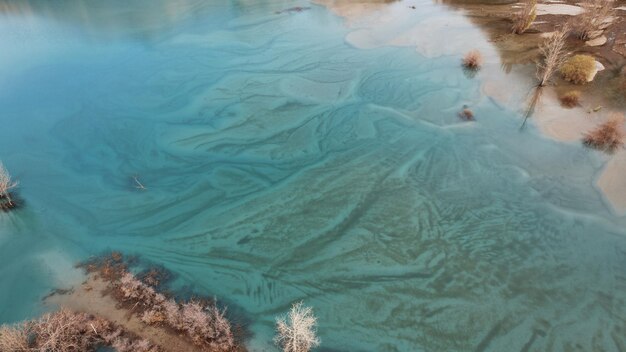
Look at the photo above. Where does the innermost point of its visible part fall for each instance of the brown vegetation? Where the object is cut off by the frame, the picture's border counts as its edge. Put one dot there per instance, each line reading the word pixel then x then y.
pixel 466 114
pixel 201 321
pixel 607 137
pixel 66 331
pixel 578 69
pixel 570 99
pixel 525 17
pixel 473 60
pixel 593 20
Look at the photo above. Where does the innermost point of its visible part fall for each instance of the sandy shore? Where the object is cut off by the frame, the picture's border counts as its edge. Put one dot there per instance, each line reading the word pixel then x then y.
pixel 380 23
pixel 90 298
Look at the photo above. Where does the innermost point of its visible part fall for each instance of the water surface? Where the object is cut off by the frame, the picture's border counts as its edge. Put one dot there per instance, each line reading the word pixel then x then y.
pixel 282 163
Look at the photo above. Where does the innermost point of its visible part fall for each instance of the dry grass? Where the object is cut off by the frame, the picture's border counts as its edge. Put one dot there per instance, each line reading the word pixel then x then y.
pixel 578 69
pixel 590 23
pixel 473 60
pixel 553 53
pixel 525 17
pixel 296 331
pixel 607 137
pixel 570 99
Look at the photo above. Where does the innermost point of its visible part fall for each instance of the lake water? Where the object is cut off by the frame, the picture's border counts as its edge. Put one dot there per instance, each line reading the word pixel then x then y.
pixel 284 163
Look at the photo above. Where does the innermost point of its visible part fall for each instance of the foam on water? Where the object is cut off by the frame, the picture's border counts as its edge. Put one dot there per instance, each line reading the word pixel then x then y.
pixel 283 164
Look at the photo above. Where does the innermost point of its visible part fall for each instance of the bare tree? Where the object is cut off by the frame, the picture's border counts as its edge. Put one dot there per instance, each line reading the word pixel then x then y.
pixel 525 17
pixel 6 184
pixel 553 55
pixel 296 331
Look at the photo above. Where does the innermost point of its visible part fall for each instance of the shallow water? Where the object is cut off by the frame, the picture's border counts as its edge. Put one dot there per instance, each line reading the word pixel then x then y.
pixel 283 163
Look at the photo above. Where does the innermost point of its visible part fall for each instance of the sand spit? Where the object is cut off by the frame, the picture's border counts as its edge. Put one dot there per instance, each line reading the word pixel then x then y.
pixel 91 298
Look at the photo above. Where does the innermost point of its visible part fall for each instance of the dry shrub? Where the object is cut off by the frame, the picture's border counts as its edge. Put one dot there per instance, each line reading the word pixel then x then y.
pixel 296 331
pixel 578 69
pixel 204 324
pixel 123 344
pixel 525 17
pixel 570 99
pixel 466 114
pixel 473 60
pixel 13 338
pixel 590 23
pixel 608 137
pixel 553 55
pixel 67 331
pixel 64 331
pixel 6 185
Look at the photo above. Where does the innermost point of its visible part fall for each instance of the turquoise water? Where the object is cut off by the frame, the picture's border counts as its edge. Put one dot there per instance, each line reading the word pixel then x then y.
pixel 283 164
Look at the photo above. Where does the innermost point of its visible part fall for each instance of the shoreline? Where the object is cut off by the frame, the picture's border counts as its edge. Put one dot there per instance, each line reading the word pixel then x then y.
pixel 91 297
pixel 375 24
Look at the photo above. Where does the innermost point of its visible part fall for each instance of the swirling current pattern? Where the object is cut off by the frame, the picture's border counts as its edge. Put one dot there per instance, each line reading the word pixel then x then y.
pixel 282 164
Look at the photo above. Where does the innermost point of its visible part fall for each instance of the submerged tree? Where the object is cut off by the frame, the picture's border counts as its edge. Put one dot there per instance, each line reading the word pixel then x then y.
pixel 6 184
pixel 296 331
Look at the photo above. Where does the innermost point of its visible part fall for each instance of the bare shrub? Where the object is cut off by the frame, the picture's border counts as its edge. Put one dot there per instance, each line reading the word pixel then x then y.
pixel 6 183
pixel 67 331
pixel 525 17
pixel 296 331
pixel 553 55
pixel 64 331
pixel 473 60
pixel 578 69
pixel 204 324
pixel 608 137
pixel 570 99
pixel 591 22
pixel 201 321
pixel 14 338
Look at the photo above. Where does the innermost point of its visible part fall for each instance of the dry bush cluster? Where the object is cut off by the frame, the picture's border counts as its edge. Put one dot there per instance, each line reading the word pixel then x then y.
pixel 525 17
pixel 578 69
pixel 570 99
pixel 607 137
pixel 67 331
pixel 296 331
pixel 473 60
pixel 594 19
pixel 6 186
pixel 202 322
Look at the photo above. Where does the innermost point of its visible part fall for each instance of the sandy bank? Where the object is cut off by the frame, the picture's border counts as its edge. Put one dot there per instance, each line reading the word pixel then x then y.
pixel 90 298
